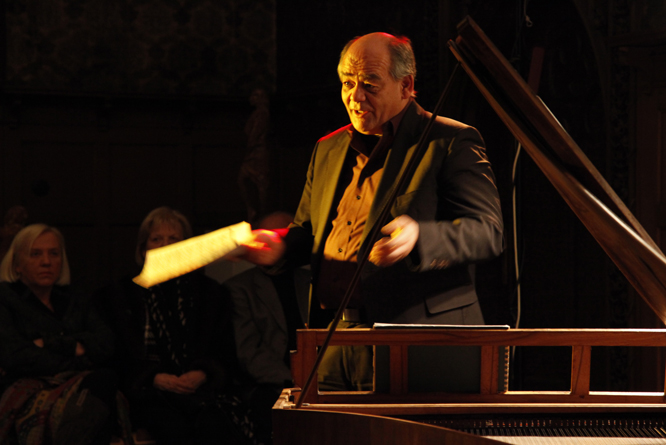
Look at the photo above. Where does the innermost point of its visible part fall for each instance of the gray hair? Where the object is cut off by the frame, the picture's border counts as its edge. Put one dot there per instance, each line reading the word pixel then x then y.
pixel 403 62
pixel 23 242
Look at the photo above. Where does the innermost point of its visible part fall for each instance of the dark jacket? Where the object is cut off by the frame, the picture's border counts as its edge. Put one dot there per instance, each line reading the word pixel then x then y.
pixel 23 319
pixel 260 323
pixel 209 335
pixel 451 194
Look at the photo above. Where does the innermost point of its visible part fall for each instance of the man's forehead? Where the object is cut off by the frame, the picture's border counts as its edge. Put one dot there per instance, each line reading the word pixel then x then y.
pixel 364 67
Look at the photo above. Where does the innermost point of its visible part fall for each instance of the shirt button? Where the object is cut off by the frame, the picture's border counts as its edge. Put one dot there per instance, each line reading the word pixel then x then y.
pixel 349 223
pixel 340 250
pixel 358 196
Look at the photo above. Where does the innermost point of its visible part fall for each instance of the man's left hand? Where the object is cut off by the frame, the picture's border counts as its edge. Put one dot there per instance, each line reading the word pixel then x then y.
pixel 403 233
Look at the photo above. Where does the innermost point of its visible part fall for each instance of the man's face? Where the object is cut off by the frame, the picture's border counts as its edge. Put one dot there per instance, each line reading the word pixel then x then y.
pixel 372 97
pixel 41 265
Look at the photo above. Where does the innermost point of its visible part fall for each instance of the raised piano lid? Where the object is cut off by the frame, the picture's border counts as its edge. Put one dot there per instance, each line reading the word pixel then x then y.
pixel 561 160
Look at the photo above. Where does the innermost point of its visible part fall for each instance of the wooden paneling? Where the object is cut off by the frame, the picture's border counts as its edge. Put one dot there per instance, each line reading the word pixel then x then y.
pixel 214 165
pixel 53 173
pixel 157 174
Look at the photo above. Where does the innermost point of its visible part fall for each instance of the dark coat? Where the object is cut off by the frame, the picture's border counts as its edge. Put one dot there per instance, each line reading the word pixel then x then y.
pixel 23 319
pixel 210 337
pixel 260 324
pixel 451 194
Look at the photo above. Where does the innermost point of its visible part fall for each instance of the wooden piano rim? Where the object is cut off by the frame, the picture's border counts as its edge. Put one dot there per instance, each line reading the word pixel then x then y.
pixel 490 341
pixel 286 401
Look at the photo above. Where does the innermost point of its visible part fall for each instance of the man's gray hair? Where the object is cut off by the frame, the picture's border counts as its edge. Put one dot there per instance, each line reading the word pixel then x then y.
pixel 403 62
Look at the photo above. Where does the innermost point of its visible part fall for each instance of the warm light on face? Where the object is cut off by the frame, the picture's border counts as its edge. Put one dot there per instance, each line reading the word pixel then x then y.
pixel 372 97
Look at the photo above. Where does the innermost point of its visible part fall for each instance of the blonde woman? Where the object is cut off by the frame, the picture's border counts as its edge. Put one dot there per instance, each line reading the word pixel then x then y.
pixel 52 347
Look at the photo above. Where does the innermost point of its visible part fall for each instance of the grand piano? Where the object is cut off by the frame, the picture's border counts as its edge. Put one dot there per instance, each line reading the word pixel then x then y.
pixel 398 414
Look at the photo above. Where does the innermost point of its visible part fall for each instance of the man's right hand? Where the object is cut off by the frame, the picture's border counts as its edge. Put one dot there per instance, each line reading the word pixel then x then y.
pixel 265 249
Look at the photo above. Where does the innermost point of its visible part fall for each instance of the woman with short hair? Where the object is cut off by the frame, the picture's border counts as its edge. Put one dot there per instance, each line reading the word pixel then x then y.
pixel 52 349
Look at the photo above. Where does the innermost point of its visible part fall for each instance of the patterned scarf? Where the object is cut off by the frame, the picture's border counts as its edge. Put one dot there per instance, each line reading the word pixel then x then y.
pixel 167 310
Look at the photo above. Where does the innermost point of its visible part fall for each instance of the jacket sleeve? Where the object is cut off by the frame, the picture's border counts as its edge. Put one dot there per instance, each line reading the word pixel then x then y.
pixel 257 357
pixel 468 223
pixel 19 356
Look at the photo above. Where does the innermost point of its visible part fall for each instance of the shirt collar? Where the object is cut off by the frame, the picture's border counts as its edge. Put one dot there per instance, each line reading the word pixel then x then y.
pixel 360 142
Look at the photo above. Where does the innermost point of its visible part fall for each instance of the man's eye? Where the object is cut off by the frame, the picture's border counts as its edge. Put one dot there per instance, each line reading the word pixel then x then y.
pixel 369 86
pixel 347 84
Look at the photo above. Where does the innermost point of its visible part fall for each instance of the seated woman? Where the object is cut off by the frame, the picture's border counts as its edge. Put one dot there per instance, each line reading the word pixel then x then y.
pixel 52 343
pixel 175 347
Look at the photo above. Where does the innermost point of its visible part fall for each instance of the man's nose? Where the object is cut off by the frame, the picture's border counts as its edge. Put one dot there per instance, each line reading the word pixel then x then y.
pixel 357 94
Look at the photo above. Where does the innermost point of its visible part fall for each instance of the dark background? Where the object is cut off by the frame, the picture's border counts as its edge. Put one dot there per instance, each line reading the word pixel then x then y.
pixel 110 109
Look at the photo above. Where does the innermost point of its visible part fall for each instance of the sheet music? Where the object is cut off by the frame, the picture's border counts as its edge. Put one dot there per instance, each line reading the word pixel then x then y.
pixel 174 260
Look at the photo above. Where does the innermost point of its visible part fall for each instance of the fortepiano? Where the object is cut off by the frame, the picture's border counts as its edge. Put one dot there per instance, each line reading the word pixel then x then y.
pixel 493 413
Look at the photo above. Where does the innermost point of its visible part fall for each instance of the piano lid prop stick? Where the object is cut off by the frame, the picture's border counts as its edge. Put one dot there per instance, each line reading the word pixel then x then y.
pixel 164 263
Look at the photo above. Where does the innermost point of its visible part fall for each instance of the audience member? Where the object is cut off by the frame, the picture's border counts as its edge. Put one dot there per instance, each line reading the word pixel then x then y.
pixel 51 345
pixel 267 311
pixel 175 350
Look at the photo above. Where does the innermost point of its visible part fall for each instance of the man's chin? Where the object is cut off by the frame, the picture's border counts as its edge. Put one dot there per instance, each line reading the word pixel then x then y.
pixel 363 128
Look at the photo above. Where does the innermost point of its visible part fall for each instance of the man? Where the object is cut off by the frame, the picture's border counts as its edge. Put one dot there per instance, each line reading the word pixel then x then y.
pixel 267 311
pixel 447 218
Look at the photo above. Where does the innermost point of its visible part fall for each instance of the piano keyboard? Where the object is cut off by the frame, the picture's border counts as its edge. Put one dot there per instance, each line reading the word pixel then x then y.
pixel 594 429
pixel 542 440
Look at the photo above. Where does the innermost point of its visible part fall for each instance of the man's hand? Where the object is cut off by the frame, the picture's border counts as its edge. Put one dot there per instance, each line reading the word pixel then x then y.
pixel 404 232
pixel 266 248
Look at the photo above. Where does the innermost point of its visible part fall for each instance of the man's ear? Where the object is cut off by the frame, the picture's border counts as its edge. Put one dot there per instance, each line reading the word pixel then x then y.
pixel 407 86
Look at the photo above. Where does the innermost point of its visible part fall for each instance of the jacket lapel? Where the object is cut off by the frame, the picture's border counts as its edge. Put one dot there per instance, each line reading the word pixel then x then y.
pixel 323 193
pixel 397 158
